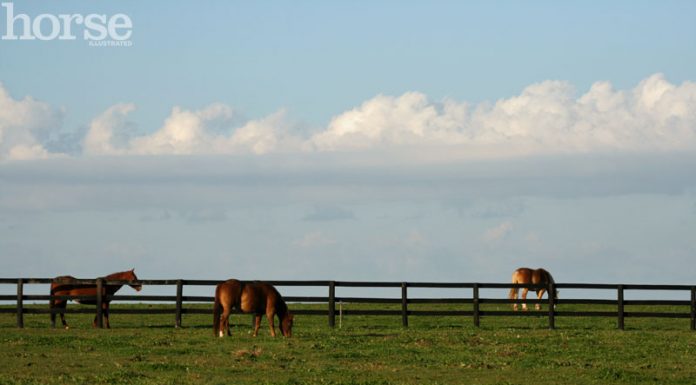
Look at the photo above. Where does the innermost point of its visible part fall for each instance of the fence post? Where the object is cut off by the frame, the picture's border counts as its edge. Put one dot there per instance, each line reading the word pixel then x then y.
pixel 552 305
pixel 693 307
pixel 404 304
pixel 477 314
pixel 620 295
pixel 179 300
pixel 20 303
pixel 100 301
pixel 332 303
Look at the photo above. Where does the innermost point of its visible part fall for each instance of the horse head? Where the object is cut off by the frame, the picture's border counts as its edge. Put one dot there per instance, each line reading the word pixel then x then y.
pixel 130 276
pixel 286 324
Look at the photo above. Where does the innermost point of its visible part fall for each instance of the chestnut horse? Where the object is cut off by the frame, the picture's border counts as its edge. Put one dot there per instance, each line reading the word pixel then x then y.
pixel 525 275
pixel 65 285
pixel 254 297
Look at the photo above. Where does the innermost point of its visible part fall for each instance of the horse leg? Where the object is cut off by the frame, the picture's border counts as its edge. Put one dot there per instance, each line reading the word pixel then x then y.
pixel 227 326
pixel 62 305
pixel 513 296
pixel 271 322
pixel 540 293
pixel 51 306
pixel 524 298
pixel 257 324
pixel 224 322
pixel 106 315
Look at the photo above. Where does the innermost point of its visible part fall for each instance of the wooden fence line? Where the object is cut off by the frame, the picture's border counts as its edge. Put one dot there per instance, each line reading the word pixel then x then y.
pixel 476 313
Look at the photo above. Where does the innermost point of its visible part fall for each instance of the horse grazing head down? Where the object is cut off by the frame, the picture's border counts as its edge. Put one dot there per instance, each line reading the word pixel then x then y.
pixel 255 297
pixel 528 276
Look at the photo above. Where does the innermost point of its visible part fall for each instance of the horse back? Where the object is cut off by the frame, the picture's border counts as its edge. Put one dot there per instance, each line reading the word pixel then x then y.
pixel 531 276
pixel 229 293
pixel 522 275
pixel 259 297
pixel 65 285
pixel 62 280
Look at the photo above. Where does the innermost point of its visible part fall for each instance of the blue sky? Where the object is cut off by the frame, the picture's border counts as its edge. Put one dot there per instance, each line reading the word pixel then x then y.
pixel 318 59
pixel 386 140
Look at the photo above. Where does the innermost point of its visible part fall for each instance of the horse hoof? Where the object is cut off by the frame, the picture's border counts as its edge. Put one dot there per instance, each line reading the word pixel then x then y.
pixel 67 327
pixel 221 334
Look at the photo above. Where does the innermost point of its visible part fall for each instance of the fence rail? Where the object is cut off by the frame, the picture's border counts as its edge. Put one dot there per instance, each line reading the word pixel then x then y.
pixel 332 299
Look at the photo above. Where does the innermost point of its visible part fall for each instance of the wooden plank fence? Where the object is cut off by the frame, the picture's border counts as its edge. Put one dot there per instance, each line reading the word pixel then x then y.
pixel 332 299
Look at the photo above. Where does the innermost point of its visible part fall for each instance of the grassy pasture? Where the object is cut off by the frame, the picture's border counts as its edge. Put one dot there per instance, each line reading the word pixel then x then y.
pixel 146 349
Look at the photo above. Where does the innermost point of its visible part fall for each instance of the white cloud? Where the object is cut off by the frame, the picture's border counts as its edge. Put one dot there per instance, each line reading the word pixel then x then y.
pixel 100 137
pixel 546 118
pixel 384 120
pixel 184 132
pixel 24 124
pixel 261 136
pixel 498 232
pixel 187 132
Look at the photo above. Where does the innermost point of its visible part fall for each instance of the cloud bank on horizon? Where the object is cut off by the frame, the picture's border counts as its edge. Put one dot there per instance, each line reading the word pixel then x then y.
pixel 546 118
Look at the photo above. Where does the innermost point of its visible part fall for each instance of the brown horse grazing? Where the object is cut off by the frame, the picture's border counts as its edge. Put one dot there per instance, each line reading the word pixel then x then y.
pixel 524 275
pixel 64 285
pixel 255 297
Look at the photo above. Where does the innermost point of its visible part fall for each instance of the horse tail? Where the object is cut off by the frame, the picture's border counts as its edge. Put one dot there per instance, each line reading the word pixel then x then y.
pixel 216 312
pixel 513 290
pixel 511 294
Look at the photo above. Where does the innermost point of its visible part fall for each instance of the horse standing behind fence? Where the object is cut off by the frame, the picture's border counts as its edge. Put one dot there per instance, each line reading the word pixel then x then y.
pixel 257 297
pixel 65 285
pixel 525 275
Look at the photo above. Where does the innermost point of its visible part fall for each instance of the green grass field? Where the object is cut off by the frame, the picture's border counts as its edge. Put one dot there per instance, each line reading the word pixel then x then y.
pixel 146 349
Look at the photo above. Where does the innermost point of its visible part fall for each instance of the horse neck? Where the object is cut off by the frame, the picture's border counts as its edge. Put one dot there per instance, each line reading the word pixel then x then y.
pixel 281 308
pixel 549 277
pixel 545 276
pixel 115 277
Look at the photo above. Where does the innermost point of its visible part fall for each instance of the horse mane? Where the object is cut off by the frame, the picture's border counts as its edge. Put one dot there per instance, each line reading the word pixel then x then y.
pixel 118 275
pixel 548 275
pixel 281 306
pixel 549 278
